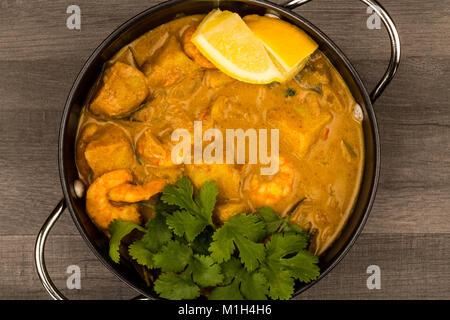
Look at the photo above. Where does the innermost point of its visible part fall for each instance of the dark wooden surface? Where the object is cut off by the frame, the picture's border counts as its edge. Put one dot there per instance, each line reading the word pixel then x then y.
pixel 408 232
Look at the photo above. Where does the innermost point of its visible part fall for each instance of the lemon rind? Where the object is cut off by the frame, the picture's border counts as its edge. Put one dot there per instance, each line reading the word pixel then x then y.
pixel 223 64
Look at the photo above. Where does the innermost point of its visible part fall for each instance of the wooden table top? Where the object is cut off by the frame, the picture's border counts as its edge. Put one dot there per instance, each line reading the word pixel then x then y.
pixel 408 232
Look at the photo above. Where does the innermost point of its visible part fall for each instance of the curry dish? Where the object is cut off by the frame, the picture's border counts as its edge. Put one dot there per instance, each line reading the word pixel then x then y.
pixel 160 83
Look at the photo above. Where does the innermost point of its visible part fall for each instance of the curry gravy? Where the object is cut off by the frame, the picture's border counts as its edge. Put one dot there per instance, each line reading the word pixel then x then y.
pixel 321 142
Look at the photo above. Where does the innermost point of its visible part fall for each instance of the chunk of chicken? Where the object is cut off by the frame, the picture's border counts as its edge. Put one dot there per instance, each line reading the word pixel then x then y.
pixel 300 126
pixel 153 151
pixel 109 149
pixel 169 66
pixel 123 90
pixel 226 176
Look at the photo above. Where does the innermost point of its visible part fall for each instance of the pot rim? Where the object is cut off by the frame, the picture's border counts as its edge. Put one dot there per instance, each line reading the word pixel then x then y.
pixel 261 3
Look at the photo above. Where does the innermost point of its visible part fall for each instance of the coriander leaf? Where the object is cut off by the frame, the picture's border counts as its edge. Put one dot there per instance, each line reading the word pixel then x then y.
pixel 183 223
pixel 253 285
pixel 274 223
pixel 293 227
pixel 174 256
pixel 222 246
pixel 138 158
pixel 251 253
pixel 248 225
pixel 141 254
pixel 204 271
pixel 280 282
pixel 230 292
pixel 162 207
pixel 303 266
pixel 281 267
pixel 158 233
pixel 201 209
pixel 290 92
pixel 180 195
pixel 243 231
pixel 206 199
pixel 119 229
pixel 230 269
pixel 176 287
pixel 202 242
pixel 282 244
pixel 271 219
pixel 181 240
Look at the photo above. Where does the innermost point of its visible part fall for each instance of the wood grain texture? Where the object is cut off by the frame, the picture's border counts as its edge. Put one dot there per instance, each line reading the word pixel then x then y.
pixel 408 231
pixel 412 267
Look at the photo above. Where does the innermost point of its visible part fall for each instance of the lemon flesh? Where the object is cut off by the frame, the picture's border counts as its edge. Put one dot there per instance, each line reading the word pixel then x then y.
pixel 288 45
pixel 225 39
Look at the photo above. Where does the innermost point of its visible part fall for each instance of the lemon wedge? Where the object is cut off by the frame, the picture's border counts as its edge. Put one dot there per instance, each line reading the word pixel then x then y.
pixel 224 39
pixel 289 46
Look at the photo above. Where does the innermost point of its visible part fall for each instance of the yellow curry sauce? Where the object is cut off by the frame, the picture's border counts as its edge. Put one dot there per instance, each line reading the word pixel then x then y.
pixel 321 142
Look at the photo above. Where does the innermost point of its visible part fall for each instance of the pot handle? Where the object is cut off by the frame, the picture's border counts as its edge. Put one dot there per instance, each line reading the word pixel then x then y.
pixel 39 260
pixel 39 249
pixel 393 36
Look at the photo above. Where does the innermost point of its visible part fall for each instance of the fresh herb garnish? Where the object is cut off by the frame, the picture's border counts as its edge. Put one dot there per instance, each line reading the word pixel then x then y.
pixel 349 148
pixel 241 232
pixel 119 229
pixel 251 256
pixel 194 215
pixel 290 92
pixel 240 283
pixel 141 254
pixel 138 158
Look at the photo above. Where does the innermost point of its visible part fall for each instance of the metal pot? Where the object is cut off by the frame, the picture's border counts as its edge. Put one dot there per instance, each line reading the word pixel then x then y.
pixel 166 12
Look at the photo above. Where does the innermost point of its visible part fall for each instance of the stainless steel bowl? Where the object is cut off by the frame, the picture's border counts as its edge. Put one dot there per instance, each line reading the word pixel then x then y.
pixel 166 12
